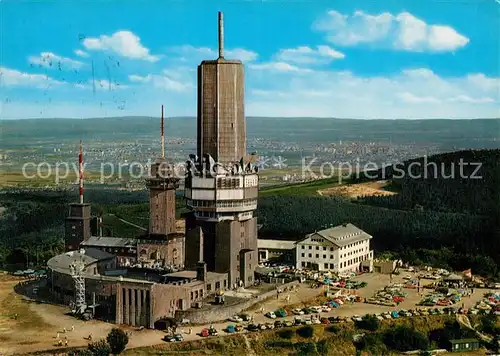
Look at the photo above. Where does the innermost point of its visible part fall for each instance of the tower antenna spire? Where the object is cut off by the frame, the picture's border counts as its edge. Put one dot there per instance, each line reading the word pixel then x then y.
pixel 221 35
pixel 162 134
pixel 80 164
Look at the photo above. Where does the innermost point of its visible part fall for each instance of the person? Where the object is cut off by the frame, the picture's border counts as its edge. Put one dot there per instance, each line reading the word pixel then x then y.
pixel 190 331
pixel 73 328
pixel 59 343
pixel 64 330
pixel 66 343
pixel 90 337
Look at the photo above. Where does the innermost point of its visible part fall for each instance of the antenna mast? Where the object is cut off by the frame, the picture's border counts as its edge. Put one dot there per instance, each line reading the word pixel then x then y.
pixel 221 35
pixel 76 269
pixel 162 135
pixel 80 163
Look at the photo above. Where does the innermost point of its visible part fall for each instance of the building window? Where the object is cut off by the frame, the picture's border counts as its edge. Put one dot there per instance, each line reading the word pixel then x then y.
pixel 303 255
pixel 310 247
pixel 331 248
pixel 310 255
pixel 324 248
pixel 331 266
pixel 317 247
pixel 209 287
pixel 326 265
pixel 303 264
pixel 303 247
pixel 217 285
pixel 331 257
pixel 191 295
pixel 324 256
pixel 317 256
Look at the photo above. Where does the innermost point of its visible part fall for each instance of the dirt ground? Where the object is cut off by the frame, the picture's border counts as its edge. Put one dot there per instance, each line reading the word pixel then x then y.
pixel 358 190
pixel 37 325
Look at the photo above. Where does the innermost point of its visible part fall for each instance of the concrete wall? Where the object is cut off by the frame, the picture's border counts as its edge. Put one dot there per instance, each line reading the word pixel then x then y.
pixel 203 316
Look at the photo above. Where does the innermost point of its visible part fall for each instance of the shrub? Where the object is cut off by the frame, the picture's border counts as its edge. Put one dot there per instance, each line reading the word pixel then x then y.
pixel 286 334
pixel 279 343
pixel 332 329
pixel 323 347
pixel 371 343
pixel 100 348
pixel 306 331
pixel 306 348
pixel 404 338
pixel 368 322
pixel 117 340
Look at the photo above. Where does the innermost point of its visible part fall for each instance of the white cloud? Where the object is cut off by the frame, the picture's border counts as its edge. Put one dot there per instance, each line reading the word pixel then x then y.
pixel 414 99
pixel 81 53
pixel 13 77
pixel 279 67
pixel 169 79
pixel 51 60
pixel 412 93
pixel 201 53
pixel 468 99
pixel 403 32
pixel 307 55
pixel 124 43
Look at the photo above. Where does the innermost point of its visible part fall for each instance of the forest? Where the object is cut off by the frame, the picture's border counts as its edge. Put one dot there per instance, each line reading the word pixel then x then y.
pixel 447 222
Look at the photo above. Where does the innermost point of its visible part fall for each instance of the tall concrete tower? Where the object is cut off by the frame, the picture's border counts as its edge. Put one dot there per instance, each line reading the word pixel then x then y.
pixel 77 224
pixel 221 108
pixel 221 184
pixel 162 184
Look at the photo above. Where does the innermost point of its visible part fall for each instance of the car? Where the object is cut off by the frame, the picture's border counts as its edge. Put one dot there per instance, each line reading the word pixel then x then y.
pixel 298 311
pixel 169 338
pixel 271 315
pixel 245 317
pixel 288 323
pixel 307 322
pixel 252 327
pixel 262 326
pixel 278 324
pixel 179 337
pixel 325 321
pixel 235 319
pixel 269 326
pixel 326 309
pixel 230 329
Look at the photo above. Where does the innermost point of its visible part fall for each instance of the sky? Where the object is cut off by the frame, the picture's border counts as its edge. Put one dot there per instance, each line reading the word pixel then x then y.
pixel 347 59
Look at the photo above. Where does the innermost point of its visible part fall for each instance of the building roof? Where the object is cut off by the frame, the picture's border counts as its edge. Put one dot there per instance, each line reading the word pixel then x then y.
pixel 341 235
pixel 276 244
pixel 192 275
pixel 87 256
pixel 109 242
pixel 461 341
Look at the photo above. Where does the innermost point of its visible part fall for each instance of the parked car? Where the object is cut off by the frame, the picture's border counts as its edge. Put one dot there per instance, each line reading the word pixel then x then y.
pixel 245 317
pixel 169 338
pixel 271 315
pixel 179 337
pixel 252 327
pixel 298 311
pixel 235 319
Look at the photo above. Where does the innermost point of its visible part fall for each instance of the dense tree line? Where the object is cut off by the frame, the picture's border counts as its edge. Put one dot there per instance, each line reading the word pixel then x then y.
pixel 464 181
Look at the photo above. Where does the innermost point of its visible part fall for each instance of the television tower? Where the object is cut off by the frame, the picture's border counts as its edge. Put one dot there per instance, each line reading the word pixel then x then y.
pixel 221 184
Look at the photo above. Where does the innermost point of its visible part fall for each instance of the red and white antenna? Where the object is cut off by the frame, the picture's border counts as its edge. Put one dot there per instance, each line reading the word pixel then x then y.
pixel 162 135
pixel 80 162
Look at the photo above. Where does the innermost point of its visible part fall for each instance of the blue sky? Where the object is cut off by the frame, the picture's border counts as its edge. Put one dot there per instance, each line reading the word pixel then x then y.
pixel 356 59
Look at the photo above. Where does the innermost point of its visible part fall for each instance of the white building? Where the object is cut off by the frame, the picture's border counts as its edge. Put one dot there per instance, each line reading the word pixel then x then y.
pixel 339 249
